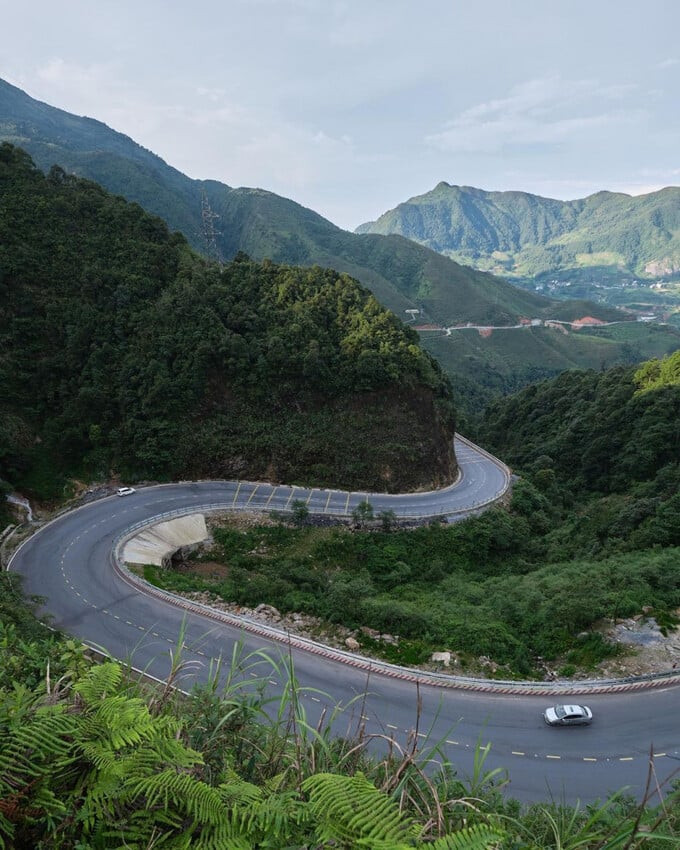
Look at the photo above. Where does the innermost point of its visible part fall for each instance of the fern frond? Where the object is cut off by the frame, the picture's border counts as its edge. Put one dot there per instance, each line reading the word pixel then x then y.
pixel 222 837
pixel 273 820
pixel 184 792
pixel 99 681
pixel 353 810
pixel 40 739
pixel 479 836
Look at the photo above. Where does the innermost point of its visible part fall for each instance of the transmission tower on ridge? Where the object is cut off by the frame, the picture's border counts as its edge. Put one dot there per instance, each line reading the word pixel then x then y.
pixel 210 234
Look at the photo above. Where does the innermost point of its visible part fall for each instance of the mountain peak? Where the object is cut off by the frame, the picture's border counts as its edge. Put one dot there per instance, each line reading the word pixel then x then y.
pixel 518 233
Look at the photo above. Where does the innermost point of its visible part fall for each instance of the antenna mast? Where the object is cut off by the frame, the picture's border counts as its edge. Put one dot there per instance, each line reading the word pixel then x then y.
pixel 210 234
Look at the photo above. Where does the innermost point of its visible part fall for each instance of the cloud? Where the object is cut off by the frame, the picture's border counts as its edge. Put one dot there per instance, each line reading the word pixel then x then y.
pixel 667 63
pixel 538 113
pixel 212 94
pixel 78 79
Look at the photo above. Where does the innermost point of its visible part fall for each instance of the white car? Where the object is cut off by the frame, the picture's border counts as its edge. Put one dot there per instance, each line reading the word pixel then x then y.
pixel 125 491
pixel 568 715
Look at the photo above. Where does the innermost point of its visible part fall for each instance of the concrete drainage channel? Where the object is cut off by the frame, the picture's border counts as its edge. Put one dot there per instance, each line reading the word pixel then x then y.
pixel 158 538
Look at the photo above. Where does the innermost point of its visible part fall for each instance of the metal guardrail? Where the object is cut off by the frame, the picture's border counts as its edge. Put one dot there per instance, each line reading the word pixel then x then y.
pixel 214 507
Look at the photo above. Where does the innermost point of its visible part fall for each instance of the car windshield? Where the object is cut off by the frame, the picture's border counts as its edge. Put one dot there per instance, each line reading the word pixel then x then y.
pixel 560 711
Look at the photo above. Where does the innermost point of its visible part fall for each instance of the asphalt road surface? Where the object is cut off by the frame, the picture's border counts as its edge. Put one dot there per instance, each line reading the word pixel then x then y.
pixel 69 563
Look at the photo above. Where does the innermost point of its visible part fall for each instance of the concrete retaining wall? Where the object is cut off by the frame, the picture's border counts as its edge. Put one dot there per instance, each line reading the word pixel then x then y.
pixel 156 543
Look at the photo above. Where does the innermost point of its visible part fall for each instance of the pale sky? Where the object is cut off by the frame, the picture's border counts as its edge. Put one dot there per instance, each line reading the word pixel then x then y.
pixel 352 106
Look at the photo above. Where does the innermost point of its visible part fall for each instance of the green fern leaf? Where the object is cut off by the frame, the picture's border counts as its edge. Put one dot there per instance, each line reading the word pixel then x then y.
pixel 476 837
pixel 353 810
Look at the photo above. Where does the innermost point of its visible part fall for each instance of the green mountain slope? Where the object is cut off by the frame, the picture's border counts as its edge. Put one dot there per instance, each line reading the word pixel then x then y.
pixel 122 350
pixel 600 432
pixel 264 225
pixel 401 274
pixel 507 360
pixel 604 449
pixel 526 235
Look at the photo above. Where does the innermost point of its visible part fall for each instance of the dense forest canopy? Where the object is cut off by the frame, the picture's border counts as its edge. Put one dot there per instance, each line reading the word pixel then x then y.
pixel 598 431
pixel 124 351
pixel 604 449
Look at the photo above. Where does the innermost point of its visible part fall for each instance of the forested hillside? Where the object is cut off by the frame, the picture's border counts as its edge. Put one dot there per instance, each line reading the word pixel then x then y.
pixel 121 351
pixel 605 447
pixel 521 234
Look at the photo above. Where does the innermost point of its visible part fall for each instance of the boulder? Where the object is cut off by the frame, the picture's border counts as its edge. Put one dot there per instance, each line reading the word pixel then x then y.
pixel 268 612
pixel 393 640
pixel 441 658
pixel 352 644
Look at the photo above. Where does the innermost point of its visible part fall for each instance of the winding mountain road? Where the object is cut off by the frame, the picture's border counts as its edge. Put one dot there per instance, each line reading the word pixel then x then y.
pixel 69 563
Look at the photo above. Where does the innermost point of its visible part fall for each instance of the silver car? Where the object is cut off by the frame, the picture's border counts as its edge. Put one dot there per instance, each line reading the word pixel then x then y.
pixel 568 715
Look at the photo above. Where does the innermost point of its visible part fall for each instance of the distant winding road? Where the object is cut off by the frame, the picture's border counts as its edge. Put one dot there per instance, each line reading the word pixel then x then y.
pixel 69 563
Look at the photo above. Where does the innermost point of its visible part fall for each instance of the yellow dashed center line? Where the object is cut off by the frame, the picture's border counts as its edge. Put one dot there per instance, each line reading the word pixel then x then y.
pixel 311 493
pixel 252 494
pixel 517 753
pixel 553 757
pixel 658 755
pixel 626 758
pixel 390 726
pixel 238 489
pixel 271 495
pixel 289 498
pixel 347 504
pixel 455 743
pixel 328 501
pixel 588 759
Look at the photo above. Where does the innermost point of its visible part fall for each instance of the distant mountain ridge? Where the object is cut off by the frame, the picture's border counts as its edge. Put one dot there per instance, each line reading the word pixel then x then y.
pixel 517 233
pixel 401 274
pixel 263 225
